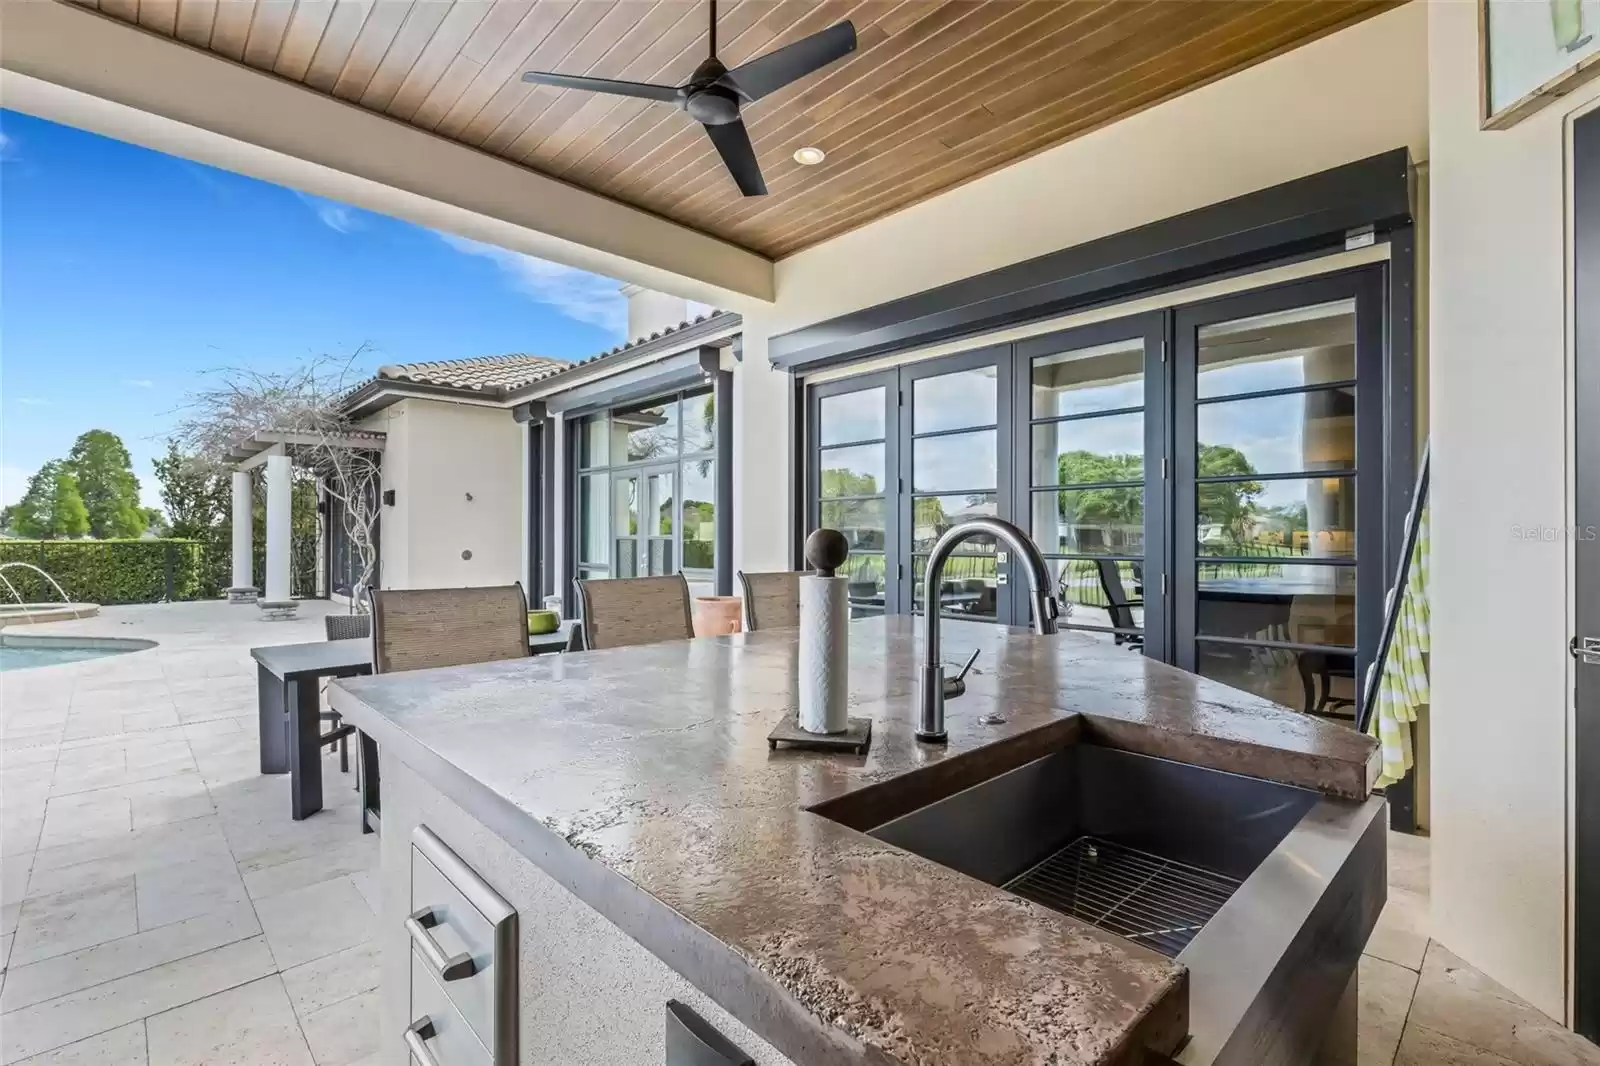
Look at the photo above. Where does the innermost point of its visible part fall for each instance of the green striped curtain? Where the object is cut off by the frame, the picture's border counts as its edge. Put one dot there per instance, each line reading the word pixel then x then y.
pixel 1403 687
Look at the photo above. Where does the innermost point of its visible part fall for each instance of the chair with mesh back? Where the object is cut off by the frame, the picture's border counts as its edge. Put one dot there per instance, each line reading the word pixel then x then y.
pixel 420 629
pixel 621 612
pixel 772 599
pixel 348 626
pixel 1118 605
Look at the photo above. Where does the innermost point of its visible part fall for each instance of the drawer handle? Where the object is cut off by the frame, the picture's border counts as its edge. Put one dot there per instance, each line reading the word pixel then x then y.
pixel 417 1037
pixel 448 967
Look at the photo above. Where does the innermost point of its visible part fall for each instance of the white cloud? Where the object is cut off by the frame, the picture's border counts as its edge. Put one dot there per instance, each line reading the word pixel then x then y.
pixel 32 401
pixel 575 293
pixel 336 216
pixel 138 383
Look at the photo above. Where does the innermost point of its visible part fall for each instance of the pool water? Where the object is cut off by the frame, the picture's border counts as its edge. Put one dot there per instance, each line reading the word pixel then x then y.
pixel 12 658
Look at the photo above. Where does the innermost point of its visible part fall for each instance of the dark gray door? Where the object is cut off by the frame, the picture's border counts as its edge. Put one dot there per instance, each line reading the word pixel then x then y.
pixel 1586 641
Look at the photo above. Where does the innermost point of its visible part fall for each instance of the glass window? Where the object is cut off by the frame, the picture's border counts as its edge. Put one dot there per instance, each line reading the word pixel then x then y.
pixel 1101 594
pixel 954 401
pixel 854 471
pixel 849 417
pixel 646 432
pixel 1108 521
pixel 969 584
pixel 699 514
pixel 1106 377
pixel 868 585
pixel 1313 430
pixel 1281 350
pixel 592 449
pixel 699 423
pixel 1317 682
pixel 625 506
pixel 593 523
pixel 861 521
pixel 1089 451
pixel 932 516
pixel 1285 517
pixel 956 462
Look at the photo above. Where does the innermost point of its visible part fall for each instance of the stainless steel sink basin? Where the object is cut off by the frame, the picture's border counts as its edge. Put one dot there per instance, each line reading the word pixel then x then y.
pixel 1143 847
pixel 1266 892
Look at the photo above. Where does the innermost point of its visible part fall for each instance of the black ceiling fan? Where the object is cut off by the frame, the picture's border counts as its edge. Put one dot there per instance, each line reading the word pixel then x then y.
pixel 714 94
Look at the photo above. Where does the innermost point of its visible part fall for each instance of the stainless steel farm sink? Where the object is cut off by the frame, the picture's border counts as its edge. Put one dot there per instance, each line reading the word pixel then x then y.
pixel 1265 891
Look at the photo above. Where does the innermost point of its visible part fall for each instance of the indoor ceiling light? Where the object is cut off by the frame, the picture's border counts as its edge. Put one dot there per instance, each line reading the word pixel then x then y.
pixel 808 157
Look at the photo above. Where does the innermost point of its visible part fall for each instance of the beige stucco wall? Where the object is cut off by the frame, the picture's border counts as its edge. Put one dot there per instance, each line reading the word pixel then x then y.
pixel 1498 398
pixel 436 455
pixel 1348 96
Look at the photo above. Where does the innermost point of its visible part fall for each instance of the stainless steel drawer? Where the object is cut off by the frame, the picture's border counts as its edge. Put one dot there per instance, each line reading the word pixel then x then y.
pixel 464 936
pixel 438 1035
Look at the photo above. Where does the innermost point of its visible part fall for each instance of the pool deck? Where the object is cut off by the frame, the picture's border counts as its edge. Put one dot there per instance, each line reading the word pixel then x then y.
pixel 158 907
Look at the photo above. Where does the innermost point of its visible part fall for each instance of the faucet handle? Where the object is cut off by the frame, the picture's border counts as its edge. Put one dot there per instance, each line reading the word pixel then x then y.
pixel 957 686
pixel 962 676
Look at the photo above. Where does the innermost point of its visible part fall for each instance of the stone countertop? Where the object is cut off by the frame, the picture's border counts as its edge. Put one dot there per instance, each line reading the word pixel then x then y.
pixel 640 778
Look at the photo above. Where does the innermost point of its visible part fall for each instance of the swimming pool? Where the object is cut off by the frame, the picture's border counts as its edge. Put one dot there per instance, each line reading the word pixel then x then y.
pixel 26 653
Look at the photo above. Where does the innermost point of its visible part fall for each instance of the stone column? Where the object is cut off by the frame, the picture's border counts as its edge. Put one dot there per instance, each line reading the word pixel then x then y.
pixel 243 590
pixel 278 502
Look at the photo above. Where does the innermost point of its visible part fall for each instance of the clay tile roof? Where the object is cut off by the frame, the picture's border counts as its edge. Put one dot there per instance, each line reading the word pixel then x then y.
pixel 489 373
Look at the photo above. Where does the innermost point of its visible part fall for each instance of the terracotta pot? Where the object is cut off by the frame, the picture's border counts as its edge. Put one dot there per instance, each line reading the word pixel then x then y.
pixel 715 616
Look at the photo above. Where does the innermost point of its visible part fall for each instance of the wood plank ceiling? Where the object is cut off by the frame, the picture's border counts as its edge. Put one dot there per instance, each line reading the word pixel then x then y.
pixel 938 93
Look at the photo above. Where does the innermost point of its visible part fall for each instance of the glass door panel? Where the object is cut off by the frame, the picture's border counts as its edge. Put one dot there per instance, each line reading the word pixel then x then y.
pixel 953 474
pixel 852 486
pixel 1271 424
pixel 1085 451
pixel 625 525
pixel 660 520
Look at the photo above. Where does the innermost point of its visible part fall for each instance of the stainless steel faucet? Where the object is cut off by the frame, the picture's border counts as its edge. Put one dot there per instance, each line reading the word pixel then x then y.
pixel 934 688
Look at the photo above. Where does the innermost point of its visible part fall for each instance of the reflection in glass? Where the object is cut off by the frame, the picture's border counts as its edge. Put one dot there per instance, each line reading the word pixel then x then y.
pixel 1280 518
pixel 1100 593
pixel 954 401
pixel 1089 451
pixel 1089 521
pixel 851 471
pixel 699 514
pixel 594 529
pixel 699 423
pixel 861 522
pixel 867 586
pixel 658 512
pixel 644 432
pixel 1280 350
pixel 627 557
pixel 851 416
pixel 931 516
pixel 592 442
pixel 1282 434
pixel 1311 681
pixel 1294 603
pixel 968 585
pixel 950 464
pixel 1102 378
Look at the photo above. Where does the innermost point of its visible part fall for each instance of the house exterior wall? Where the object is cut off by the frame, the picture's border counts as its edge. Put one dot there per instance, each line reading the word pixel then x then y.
pixel 1351 95
pixel 435 455
pixel 1499 322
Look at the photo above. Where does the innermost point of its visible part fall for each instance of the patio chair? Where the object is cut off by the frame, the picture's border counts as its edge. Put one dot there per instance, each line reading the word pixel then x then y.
pixel 1118 605
pixel 624 611
pixel 343 627
pixel 421 629
pixel 771 600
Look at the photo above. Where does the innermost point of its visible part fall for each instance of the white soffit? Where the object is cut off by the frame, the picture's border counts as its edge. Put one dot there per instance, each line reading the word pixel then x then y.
pixel 70 65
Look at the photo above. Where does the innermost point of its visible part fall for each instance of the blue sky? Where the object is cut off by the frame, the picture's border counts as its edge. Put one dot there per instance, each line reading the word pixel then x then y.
pixel 125 274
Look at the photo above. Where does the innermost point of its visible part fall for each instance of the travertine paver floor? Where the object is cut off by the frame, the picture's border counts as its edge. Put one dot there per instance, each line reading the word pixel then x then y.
pixel 158 907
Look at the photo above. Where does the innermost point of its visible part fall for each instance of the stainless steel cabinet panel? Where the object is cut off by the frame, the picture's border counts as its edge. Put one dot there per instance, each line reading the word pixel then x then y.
pixel 439 1035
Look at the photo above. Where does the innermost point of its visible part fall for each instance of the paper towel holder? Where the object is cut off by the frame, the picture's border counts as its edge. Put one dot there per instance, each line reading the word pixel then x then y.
pixel 826 551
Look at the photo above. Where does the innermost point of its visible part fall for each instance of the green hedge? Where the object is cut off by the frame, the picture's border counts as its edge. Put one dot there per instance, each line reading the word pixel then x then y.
pixel 140 571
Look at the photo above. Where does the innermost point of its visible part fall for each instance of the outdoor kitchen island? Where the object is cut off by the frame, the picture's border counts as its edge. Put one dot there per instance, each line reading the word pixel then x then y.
pixel 597 858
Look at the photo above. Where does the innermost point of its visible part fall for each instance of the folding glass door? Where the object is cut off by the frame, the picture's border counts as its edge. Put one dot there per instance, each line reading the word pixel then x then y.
pixel 1279 492
pixel 1090 447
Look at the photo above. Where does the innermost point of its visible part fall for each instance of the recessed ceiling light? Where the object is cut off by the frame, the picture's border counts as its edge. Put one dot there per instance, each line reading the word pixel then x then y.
pixel 808 157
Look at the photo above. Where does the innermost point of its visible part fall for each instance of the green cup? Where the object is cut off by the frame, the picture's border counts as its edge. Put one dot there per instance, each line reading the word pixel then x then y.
pixel 541 622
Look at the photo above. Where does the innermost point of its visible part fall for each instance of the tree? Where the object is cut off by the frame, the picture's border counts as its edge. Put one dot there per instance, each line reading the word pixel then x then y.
pixel 52 505
pixel 106 481
pixel 197 496
pixel 302 407
pixel 1229 505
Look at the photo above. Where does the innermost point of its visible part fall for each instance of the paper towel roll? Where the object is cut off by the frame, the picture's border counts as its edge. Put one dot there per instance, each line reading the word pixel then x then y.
pixel 824 654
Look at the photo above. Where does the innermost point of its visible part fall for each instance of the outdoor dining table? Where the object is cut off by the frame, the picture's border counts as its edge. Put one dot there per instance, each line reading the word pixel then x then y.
pixel 289 705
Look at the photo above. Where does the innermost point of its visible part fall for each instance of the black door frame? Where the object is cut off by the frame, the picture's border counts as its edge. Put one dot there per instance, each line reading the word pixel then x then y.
pixel 889 381
pixel 1586 584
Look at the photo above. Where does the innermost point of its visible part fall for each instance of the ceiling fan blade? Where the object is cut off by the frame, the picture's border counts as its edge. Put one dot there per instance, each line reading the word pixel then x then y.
pixel 732 141
pixel 643 90
pixel 771 72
